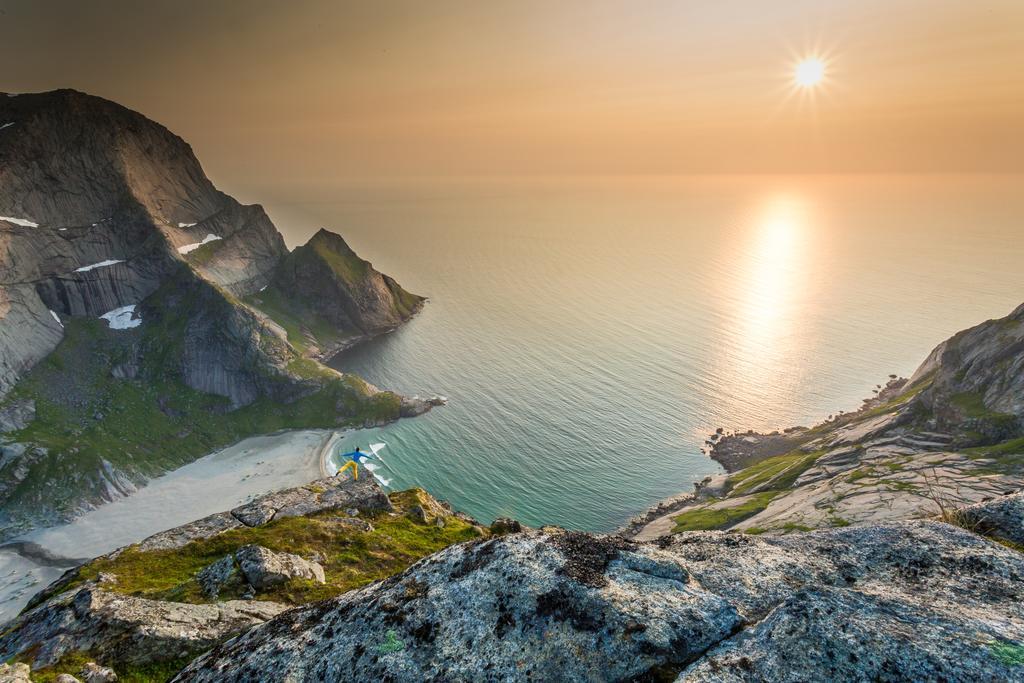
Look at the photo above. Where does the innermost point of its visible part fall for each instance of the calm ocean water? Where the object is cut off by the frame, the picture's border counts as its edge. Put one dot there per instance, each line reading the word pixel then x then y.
pixel 591 334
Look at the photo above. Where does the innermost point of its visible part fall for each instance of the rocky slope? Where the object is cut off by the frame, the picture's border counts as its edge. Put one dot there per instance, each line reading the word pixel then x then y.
pixel 154 606
pixel 905 601
pixel 951 435
pixel 900 601
pixel 129 311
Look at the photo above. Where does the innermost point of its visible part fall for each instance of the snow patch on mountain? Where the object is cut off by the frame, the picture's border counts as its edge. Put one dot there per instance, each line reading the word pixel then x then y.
pixel 101 264
pixel 195 245
pixel 122 318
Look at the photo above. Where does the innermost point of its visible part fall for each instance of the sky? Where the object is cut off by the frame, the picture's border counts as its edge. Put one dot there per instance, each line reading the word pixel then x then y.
pixel 313 91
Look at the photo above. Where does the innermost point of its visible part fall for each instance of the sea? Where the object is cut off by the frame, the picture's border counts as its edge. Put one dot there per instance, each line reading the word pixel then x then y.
pixel 590 334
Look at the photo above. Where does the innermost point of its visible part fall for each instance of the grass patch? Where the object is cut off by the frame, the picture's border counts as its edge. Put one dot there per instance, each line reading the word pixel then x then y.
pixel 704 517
pixel 72 663
pixel 1010 654
pixel 1011 447
pixel 781 471
pixel 970 403
pixel 861 473
pixel 202 256
pixel 300 323
pixel 352 558
pixel 1004 458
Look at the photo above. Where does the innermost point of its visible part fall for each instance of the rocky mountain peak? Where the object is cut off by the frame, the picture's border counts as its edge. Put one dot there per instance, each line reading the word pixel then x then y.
pixel 120 257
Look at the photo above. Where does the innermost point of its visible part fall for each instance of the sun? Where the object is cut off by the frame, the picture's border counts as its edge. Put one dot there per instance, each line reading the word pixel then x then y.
pixel 809 72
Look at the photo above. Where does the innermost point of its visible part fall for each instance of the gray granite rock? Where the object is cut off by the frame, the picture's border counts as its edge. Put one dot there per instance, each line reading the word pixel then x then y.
pixel 1000 517
pixel 264 568
pixel 902 602
pixel 126 628
pixel 206 527
pixel 213 577
pixel 94 673
pixel 331 493
pixel 17 414
pixel 14 673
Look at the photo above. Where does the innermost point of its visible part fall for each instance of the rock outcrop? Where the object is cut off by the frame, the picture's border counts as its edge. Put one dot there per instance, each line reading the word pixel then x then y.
pixel 340 297
pixel 126 628
pixel 331 493
pixel 976 379
pixel 15 673
pixel 1000 518
pixel 180 592
pixel 902 601
pixel 263 568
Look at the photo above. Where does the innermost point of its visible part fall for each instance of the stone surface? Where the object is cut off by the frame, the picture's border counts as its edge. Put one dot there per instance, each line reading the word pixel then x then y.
pixel 263 568
pixel 1001 517
pixel 67 678
pixel 14 673
pixel 126 628
pixel 331 493
pixel 902 601
pixel 206 527
pixel 17 415
pixel 94 673
pixel 213 577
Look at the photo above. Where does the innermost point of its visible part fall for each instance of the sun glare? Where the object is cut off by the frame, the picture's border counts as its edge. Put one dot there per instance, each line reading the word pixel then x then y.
pixel 809 72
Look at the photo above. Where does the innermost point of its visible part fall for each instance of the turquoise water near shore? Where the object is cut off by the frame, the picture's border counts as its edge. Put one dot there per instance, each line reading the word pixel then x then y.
pixel 591 333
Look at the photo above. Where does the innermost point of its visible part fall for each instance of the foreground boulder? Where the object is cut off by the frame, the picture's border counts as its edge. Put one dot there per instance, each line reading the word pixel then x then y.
pixel 1001 518
pixel 901 601
pixel 126 628
pixel 14 673
pixel 264 568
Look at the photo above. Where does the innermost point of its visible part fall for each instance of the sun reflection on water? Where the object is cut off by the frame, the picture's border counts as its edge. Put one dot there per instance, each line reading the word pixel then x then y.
pixel 770 288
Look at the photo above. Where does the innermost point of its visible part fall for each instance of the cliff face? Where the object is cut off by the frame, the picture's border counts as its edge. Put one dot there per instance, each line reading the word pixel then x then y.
pixel 335 298
pixel 976 379
pixel 122 274
pixel 95 203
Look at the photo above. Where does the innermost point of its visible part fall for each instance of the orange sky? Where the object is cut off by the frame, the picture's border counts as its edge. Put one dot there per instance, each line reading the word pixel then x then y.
pixel 271 92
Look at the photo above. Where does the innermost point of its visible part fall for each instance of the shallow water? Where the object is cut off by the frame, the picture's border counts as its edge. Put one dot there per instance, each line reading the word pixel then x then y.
pixel 590 335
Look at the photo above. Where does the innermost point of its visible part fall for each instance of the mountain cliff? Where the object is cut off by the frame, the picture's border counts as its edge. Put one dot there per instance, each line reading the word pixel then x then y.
pixel 328 298
pixel 131 311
